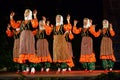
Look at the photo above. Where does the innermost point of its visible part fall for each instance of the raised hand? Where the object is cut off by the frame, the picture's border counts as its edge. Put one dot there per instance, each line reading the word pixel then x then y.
pixel 68 18
pixel 75 22
pixel 12 14
pixel 111 27
pixel 35 12
pixel 44 18
pixel 8 27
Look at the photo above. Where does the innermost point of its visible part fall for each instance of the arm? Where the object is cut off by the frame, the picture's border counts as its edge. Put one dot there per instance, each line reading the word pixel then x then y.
pixel 68 28
pixel 112 32
pixel 34 21
pixel 9 32
pixel 48 29
pixel 13 23
pixel 75 30
pixel 93 32
pixel 34 32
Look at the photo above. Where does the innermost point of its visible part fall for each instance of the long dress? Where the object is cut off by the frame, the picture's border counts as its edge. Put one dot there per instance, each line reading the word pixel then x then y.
pixel 69 36
pixel 60 47
pixel 27 40
pixel 87 55
pixel 11 33
pixel 106 49
pixel 42 47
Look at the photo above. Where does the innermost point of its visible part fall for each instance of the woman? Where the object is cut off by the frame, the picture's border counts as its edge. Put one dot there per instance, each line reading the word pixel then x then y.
pixel 27 41
pixel 43 54
pixel 87 56
pixel 106 49
pixel 60 47
pixel 69 36
pixel 16 34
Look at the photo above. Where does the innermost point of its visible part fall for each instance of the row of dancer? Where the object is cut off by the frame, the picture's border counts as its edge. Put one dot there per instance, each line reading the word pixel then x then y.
pixel 24 44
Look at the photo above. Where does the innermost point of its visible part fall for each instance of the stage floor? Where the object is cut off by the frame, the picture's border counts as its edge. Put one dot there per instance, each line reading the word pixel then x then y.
pixel 67 74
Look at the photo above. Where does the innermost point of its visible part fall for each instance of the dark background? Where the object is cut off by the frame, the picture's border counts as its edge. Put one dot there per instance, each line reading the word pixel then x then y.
pixel 97 10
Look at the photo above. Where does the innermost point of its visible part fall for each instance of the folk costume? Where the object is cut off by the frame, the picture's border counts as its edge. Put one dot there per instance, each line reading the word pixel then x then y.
pixel 106 49
pixel 27 40
pixel 87 55
pixel 60 47
pixel 42 46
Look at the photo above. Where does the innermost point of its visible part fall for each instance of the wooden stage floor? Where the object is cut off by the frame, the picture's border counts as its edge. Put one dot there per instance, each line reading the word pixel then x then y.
pixel 68 74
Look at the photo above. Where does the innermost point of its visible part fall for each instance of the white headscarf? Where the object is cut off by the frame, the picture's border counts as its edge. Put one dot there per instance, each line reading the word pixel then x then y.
pixel 29 17
pixel 61 20
pixel 105 25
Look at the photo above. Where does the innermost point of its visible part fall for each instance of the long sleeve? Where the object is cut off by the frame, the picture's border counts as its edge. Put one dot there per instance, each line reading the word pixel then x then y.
pixel 34 32
pixel 92 31
pixel 34 23
pixel 9 33
pixel 76 31
pixel 112 32
pixel 68 27
pixel 15 24
pixel 71 36
pixel 48 29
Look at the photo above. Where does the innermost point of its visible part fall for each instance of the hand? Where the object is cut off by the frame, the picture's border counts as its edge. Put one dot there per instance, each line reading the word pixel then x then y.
pixel 12 14
pixel 44 18
pixel 100 30
pixel 68 18
pixel 75 22
pixel 51 26
pixel 48 23
pixel 94 26
pixel 111 27
pixel 8 27
pixel 35 12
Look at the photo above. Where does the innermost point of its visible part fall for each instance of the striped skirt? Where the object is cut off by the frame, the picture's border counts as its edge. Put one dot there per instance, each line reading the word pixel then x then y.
pixel 42 52
pixel 70 51
pixel 87 54
pixel 27 47
pixel 106 49
pixel 16 50
pixel 60 50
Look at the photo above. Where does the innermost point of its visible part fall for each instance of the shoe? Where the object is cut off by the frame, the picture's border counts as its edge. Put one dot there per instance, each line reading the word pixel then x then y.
pixel 32 70
pixel 63 70
pixel 90 70
pixel 27 69
pixel 59 69
pixel 110 69
pixel 25 72
pixel 42 69
pixel 47 69
pixel 69 69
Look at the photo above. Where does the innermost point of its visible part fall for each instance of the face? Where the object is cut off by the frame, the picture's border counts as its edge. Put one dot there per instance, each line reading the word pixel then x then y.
pixel 68 17
pixel 41 23
pixel 58 18
pixel 26 13
pixel 85 21
pixel 105 24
